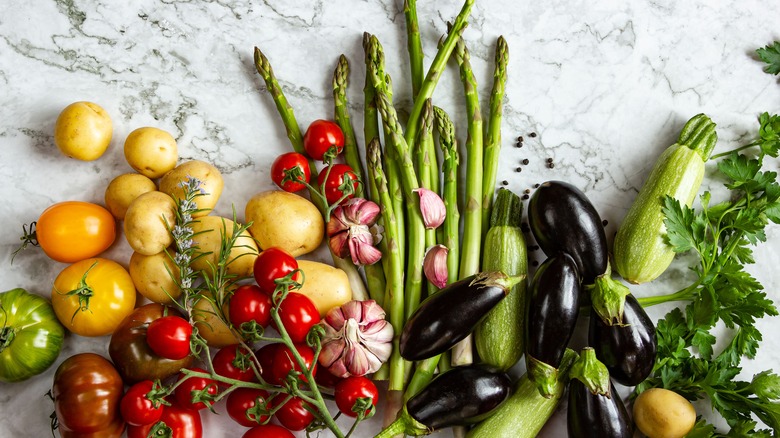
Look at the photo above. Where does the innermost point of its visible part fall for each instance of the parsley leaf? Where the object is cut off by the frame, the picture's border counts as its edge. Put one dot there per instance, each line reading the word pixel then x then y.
pixel 771 55
pixel 769 134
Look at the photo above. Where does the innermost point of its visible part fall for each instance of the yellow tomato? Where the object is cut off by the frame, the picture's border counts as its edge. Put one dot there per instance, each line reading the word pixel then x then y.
pixel 93 296
pixel 73 230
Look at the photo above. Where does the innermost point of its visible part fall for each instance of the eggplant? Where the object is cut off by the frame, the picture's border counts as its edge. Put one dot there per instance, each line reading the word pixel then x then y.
pixel 594 415
pixel 562 219
pixel 461 396
pixel 450 315
pixel 553 307
pixel 627 350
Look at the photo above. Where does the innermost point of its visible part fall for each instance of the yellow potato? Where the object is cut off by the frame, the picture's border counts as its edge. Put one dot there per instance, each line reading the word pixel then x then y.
pixel 123 190
pixel 210 324
pixel 151 275
pixel 208 237
pixel 83 131
pixel 326 286
pixel 151 152
pixel 285 220
pixel 206 173
pixel 660 413
pixel 145 222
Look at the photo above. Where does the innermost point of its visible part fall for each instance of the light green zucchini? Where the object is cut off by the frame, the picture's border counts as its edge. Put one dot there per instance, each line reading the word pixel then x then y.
pixel 500 337
pixel 640 252
pixel 525 412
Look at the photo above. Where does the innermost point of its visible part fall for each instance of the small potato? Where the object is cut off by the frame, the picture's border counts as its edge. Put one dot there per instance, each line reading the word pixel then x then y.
pixel 208 237
pixel 151 275
pixel 285 220
pixel 83 131
pixel 206 173
pixel 145 222
pixel 211 326
pixel 123 190
pixel 326 286
pixel 660 413
pixel 151 152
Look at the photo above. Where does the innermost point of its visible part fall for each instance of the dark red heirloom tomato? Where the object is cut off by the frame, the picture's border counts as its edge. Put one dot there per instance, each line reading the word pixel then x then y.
pixel 296 166
pixel 321 136
pixel 349 390
pixel 336 178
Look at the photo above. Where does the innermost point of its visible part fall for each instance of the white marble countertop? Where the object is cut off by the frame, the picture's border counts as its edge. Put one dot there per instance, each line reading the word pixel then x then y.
pixel 605 85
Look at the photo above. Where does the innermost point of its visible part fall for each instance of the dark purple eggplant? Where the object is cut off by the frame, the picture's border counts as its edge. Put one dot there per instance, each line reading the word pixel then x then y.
pixel 627 350
pixel 553 306
pixel 562 219
pixel 594 415
pixel 448 316
pixel 461 396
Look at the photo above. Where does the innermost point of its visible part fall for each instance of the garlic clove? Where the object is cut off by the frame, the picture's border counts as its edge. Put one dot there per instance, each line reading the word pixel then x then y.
pixel 431 207
pixel 435 265
pixel 339 244
pixel 360 211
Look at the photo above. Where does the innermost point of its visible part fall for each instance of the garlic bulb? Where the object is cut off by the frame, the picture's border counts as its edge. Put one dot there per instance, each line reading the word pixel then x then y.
pixel 357 341
pixel 350 233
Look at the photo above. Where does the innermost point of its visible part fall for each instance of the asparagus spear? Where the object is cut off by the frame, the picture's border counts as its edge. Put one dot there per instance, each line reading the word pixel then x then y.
pixel 351 154
pixel 424 145
pixel 493 132
pixel 436 69
pixel 414 44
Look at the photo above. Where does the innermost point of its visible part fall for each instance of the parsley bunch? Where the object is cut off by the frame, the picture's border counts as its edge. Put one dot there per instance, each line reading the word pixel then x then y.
pixel 721 235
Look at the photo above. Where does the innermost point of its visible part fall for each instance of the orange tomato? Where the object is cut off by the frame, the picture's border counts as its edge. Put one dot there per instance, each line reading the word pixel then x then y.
pixel 74 230
pixel 93 296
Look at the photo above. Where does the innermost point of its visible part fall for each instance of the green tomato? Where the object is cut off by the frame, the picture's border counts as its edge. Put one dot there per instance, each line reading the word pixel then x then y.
pixel 30 335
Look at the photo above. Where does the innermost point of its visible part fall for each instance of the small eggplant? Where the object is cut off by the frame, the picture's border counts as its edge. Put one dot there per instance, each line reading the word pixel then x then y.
pixel 450 315
pixel 595 408
pixel 627 350
pixel 461 396
pixel 553 306
pixel 562 219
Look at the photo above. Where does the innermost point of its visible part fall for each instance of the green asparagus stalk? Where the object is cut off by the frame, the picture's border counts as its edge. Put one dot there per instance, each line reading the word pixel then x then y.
pixel 436 69
pixel 341 111
pixel 414 44
pixel 472 224
pixel 493 132
pixel 424 144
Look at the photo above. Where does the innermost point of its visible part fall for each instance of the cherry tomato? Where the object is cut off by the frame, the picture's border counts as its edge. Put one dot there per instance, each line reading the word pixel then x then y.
pixel 106 296
pixel 293 415
pixel 321 136
pixel 298 315
pixel 241 403
pixel 136 408
pixel 169 337
pixel 284 361
pixel 250 303
pixel 268 431
pixel 265 356
pixel 270 264
pixel 349 390
pixel 87 391
pixel 291 161
pixel 234 362
pixel 73 230
pixel 183 423
pixel 184 392
pixel 335 179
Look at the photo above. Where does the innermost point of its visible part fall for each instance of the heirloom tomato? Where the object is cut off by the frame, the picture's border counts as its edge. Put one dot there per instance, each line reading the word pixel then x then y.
pixel 92 297
pixel 30 335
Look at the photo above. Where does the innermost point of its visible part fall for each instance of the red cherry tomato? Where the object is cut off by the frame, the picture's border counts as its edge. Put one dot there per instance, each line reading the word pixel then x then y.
pixel 293 415
pixel 294 164
pixel 270 264
pixel 284 361
pixel 169 337
pixel 321 136
pixel 335 179
pixel 241 405
pixel 184 392
pixel 298 315
pixel 234 362
pixel 183 423
pixel 265 355
pixel 136 408
pixel 249 303
pixel 268 431
pixel 349 390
